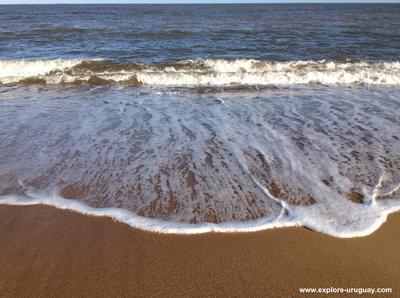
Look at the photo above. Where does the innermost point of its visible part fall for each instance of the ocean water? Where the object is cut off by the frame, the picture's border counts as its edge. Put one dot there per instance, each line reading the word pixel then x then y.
pixel 198 118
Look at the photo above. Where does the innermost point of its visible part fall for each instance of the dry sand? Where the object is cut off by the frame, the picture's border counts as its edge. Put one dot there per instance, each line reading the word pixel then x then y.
pixel 50 252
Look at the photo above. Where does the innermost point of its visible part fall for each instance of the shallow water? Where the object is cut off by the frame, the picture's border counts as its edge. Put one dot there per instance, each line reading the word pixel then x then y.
pixel 140 129
pixel 190 156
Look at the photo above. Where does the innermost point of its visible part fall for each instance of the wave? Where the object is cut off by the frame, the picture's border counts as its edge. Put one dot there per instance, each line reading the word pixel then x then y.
pixel 177 162
pixel 193 73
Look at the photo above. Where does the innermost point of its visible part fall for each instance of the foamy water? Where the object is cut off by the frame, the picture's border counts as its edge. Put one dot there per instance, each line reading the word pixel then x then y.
pixel 180 119
pixel 209 72
pixel 179 161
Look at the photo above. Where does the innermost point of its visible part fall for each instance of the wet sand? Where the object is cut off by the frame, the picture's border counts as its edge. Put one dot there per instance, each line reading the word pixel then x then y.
pixel 50 252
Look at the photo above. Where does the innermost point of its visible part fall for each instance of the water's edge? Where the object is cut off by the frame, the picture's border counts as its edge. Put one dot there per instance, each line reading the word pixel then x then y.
pixel 164 227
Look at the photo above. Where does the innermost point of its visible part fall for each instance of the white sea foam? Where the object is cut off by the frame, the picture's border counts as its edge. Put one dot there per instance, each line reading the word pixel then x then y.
pixel 209 72
pixel 322 157
pixel 367 219
pixel 12 71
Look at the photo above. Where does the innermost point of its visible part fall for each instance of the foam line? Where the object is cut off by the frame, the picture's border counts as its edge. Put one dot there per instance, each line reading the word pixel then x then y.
pixel 161 226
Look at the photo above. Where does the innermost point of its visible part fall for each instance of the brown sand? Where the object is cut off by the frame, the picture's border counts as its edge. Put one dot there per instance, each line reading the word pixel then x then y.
pixel 50 252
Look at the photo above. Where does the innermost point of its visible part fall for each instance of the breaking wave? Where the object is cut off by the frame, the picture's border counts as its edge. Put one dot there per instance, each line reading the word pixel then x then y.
pixel 192 73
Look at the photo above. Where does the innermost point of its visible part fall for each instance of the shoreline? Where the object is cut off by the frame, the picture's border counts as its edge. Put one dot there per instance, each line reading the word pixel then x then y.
pixel 47 251
pixel 154 225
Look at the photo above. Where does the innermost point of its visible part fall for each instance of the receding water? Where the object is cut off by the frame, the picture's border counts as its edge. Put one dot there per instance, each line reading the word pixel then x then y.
pixel 202 118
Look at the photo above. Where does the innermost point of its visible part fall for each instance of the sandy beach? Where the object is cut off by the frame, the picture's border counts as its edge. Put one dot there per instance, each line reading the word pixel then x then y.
pixel 50 252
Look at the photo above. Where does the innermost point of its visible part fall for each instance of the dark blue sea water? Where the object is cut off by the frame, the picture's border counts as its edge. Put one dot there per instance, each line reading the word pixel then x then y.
pixel 195 118
pixel 159 33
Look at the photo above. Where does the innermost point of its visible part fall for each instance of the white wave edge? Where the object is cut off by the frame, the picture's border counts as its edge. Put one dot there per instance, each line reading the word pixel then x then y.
pixel 161 226
pixel 219 72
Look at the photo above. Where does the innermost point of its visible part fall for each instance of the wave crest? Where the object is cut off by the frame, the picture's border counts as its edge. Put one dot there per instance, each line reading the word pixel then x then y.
pixel 192 73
